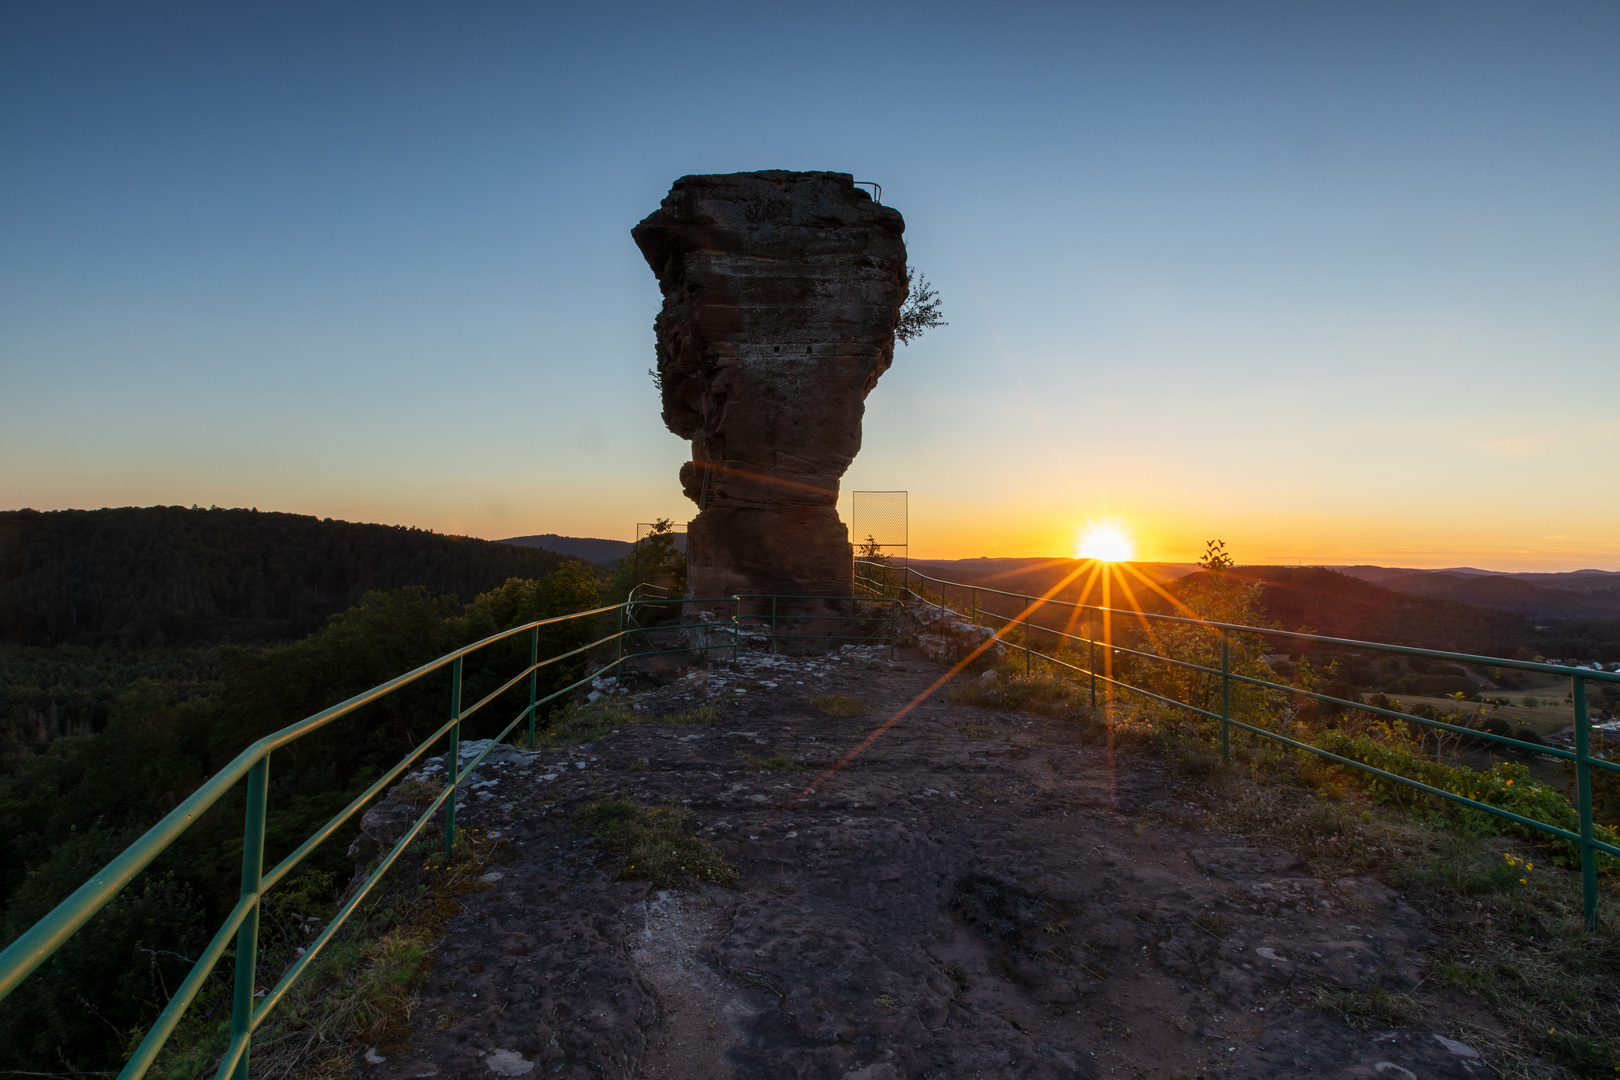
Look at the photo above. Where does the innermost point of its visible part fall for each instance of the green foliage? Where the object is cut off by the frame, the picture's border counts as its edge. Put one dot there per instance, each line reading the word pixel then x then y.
pixel 655 562
pixel 921 310
pixel 844 706
pixel 68 810
pixel 1047 693
pixel 1215 558
pixel 1507 785
pixel 774 763
pixel 585 723
pixel 654 843
pixel 1216 597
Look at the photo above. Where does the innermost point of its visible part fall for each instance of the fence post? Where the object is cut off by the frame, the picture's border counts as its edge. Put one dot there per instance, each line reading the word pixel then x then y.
pixel 452 757
pixel 534 680
pixel 1029 659
pixel 894 627
pixel 1583 795
pixel 975 607
pixel 773 625
pixel 1091 662
pixel 1226 697
pixel 736 625
pixel 618 658
pixel 247 938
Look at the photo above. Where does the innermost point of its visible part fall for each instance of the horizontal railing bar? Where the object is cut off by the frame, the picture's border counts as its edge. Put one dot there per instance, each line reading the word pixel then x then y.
pixel 286 865
pixel 158 1034
pixel 313 949
pixel 1506 740
pixel 524 674
pixel 42 939
pixel 1404 650
pixel 1394 714
pixel 1363 766
pixel 1453 796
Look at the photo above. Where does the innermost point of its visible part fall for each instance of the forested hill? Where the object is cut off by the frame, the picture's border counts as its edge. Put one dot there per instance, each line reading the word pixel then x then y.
pixel 1335 604
pixel 169 575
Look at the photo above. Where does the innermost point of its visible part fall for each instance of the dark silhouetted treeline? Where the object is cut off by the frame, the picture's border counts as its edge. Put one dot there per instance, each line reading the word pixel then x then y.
pixel 166 575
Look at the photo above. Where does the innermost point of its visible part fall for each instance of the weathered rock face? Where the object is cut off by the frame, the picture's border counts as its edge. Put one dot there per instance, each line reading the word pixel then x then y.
pixel 781 292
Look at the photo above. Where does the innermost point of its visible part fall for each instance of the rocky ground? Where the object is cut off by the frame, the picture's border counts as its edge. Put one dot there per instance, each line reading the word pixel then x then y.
pixel 975 894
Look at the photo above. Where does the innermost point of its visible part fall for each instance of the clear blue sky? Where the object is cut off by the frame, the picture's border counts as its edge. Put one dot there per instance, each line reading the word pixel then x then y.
pixel 1333 282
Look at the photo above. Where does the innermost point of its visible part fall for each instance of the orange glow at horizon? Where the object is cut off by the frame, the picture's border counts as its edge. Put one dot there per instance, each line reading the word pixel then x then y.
pixel 1106 543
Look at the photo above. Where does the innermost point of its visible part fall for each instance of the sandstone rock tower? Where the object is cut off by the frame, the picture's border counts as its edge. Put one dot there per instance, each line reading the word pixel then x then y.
pixel 781 292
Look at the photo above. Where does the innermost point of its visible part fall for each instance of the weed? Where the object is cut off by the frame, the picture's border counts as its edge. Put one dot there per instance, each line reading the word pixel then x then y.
pixel 956 973
pixel 1324 820
pixel 415 793
pixel 359 991
pixel 653 843
pixel 1047 694
pixel 1367 1010
pixel 587 723
pixel 1213 923
pixel 774 763
pixel 885 1001
pixel 841 705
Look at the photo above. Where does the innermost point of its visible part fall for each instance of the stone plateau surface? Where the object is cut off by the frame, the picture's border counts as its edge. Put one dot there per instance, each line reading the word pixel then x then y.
pixel 781 294
pixel 976 895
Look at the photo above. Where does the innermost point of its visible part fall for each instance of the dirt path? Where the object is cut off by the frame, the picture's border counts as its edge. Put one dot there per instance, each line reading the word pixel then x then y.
pixel 977 895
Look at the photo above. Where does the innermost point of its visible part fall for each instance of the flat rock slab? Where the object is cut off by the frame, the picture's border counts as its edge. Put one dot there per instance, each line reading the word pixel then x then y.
pixel 975 895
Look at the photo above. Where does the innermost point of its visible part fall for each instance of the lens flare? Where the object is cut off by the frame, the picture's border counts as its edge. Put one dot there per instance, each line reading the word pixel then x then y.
pixel 1106 543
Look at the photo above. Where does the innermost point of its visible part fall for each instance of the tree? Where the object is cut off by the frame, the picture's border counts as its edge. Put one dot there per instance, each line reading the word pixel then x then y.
pixel 1215 558
pixel 920 311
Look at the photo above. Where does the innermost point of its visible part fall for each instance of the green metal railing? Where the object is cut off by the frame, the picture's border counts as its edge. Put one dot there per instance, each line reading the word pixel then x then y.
pixel 886 580
pixel 37 944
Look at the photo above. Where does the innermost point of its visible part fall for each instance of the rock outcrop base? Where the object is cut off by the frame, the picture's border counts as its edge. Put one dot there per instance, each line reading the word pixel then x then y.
pixel 976 895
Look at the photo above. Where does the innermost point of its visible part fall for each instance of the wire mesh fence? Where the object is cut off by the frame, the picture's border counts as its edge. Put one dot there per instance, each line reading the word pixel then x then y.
pixel 880 524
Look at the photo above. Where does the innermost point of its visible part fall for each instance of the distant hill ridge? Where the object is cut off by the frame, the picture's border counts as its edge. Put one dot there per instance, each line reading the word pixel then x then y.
pixel 590 548
pixel 1577 594
pixel 172 575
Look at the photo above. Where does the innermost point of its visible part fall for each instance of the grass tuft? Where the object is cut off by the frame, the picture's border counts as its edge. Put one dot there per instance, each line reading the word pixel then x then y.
pixel 653 843
pixel 587 723
pixel 840 705
pixel 774 763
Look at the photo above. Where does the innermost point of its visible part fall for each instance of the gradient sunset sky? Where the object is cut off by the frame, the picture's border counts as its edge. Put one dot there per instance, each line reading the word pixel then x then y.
pixel 1333 282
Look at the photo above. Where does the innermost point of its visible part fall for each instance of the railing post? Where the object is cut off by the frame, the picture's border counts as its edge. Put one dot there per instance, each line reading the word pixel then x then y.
pixel 975 607
pixel 247 938
pixel 534 680
pixel 1091 662
pixel 618 656
pixel 452 758
pixel 1226 698
pixel 1583 796
pixel 736 625
pixel 1029 659
pixel 773 626
pixel 894 627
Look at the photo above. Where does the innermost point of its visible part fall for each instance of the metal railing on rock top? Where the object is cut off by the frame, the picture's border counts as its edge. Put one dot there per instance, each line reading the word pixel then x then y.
pixel 907 585
pixel 834 620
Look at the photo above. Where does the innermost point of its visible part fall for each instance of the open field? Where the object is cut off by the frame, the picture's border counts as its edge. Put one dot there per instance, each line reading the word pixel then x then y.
pixel 1553 713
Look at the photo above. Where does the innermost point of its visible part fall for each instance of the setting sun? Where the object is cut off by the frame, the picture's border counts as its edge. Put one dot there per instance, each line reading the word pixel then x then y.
pixel 1106 543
